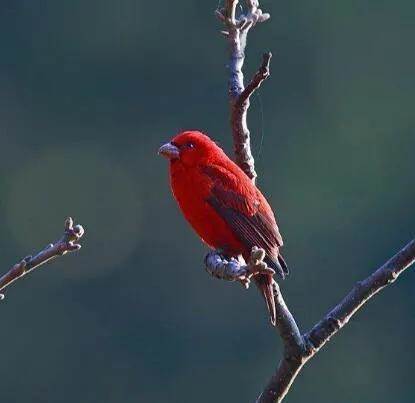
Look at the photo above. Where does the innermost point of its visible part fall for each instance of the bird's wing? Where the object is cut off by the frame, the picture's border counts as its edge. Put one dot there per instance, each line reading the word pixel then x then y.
pixel 244 208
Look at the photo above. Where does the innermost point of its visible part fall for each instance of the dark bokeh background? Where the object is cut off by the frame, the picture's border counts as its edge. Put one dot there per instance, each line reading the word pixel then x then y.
pixel 90 89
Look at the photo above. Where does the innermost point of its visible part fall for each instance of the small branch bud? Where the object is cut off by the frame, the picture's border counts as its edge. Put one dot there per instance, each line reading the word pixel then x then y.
pixel 219 15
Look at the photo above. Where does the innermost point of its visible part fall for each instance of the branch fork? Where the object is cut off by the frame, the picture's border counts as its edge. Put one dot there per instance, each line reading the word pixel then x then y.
pixel 300 348
pixel 237 28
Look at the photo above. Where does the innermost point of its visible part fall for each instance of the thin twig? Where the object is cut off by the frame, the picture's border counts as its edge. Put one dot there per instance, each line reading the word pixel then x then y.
pixel 261 75
pixel 67 243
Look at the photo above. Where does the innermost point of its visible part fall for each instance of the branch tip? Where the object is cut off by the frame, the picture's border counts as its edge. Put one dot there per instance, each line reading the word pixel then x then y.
pixel 264 17
pixel 260 76
pixel 219 15
pixel 68 223
pixel 67 243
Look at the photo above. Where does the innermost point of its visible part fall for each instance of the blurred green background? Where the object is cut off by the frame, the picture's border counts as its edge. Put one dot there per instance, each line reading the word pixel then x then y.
pixel 90 89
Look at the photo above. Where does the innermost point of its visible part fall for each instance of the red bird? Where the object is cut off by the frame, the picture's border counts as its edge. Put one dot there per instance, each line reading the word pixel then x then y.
pixel 223 205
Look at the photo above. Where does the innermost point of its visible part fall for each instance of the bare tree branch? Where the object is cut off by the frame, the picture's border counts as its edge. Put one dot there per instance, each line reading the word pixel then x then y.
pixel 237 28
pixel 298 348
pixel 287 327
pixel 67 243
pixel 359 295
pixel 294 358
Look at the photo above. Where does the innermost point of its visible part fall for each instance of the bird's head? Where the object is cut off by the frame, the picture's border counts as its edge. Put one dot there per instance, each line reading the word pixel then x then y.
pixel 190 148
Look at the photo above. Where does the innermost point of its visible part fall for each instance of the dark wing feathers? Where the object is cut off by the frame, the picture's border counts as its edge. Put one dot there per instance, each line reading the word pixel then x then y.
pixel 253 230
pixel 245 217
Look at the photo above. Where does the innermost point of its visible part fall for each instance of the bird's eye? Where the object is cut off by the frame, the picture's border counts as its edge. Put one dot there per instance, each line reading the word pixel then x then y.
pixel 190 145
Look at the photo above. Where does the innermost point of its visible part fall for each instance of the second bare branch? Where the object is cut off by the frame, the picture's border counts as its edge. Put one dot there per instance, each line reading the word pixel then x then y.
pixel 67 243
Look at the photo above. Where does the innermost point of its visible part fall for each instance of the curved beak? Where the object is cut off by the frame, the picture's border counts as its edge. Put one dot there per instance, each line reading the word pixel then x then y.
pixel 169 151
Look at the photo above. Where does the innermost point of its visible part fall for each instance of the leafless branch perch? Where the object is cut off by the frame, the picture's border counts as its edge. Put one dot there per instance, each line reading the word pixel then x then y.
pixel 67 243
pixel 298 347
pixel 237 270
pixel 237 28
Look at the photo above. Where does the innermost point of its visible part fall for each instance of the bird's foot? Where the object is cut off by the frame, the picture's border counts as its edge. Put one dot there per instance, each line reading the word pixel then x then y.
pixel 254 266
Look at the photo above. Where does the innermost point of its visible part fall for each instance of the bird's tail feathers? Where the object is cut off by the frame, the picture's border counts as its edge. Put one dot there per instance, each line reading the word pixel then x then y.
pixel 283 264
pixel 264 283
pixel 278 264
